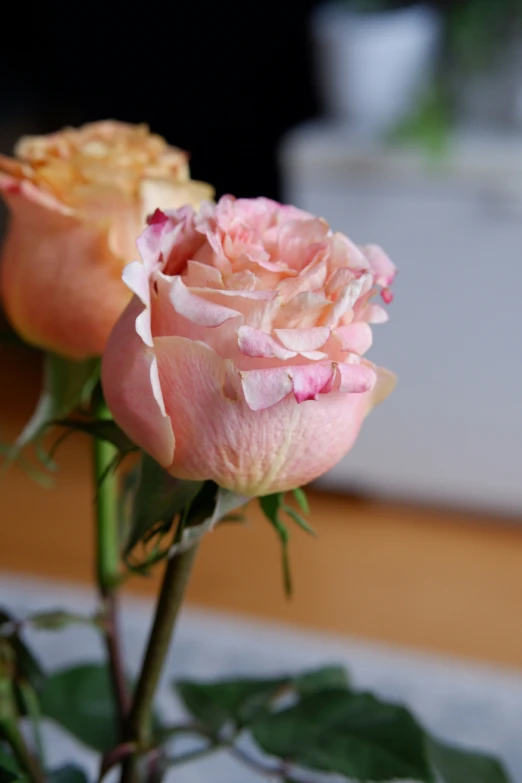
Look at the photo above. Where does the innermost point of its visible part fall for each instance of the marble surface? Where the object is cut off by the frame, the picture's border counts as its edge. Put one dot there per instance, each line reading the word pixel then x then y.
pixel 463 702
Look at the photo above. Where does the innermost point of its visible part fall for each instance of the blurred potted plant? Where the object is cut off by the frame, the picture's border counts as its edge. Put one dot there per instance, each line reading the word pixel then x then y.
pixel 373 58
pixel 478 80
pixel 485 47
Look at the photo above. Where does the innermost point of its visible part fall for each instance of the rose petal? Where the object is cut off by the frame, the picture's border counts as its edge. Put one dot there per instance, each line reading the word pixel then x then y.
pixel 255 342
pixel 311 279
pixel 196 309
pixel 314 356
pixel 149 241
pixel 263 296
pixel 345 253
pixel 303 311
pixel 346 298
pixel 382 267
pixel 309 380
pixel 355 378
pixel 259 308
pixel 60 280
pixel 132 389
pixel 167 194
pixel 384 386
pixel 299 240
pixel 373 314
pixel 202 276
pixel 300 340
pixel 264 388
pixel 356 337
pixel 341 277
pixel 136 277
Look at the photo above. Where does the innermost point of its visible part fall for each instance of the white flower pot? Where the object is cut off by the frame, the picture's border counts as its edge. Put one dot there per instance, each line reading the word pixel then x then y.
pixel 372 66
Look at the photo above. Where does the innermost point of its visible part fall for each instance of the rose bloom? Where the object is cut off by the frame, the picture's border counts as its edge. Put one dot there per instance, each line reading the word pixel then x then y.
pixel 240 359
pixel 78 200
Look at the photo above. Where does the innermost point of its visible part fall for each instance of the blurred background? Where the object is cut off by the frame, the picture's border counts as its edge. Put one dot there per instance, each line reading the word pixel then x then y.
pixel 401 124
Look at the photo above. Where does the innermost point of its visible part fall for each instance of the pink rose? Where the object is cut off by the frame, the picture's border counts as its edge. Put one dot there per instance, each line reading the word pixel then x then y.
pixel 78 200
pixel 240 357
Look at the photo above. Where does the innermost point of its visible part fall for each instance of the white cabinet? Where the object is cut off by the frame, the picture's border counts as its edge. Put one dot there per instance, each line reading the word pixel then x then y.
pixel 452 430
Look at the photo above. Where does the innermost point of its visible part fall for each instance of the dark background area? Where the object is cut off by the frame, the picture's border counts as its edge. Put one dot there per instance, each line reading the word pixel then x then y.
pixel 222 80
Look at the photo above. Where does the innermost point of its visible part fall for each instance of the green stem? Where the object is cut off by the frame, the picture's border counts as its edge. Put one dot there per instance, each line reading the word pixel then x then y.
pixel 32 706
pixel 175 581
pixel 107 543
pixel 13 735
pixel 9 717
pixel 108 559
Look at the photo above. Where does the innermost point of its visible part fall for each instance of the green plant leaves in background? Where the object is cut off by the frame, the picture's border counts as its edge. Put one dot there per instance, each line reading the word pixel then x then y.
pixel 80 700
pixel 353 734
pixel 69 773
pixel 330 728
pixel 66 386
pixel 458 765
pixel 236 701
pixel 28 668
pixel 57 620
pixel 321 679
pixel 327 727
pixel 9 770
pixel 241 701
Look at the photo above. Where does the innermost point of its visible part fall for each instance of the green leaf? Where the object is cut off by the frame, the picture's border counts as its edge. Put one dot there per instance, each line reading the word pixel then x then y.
pixel 57 620
pixel 101 429
pixel 460 765
pixel 322 679
pixel 27 666
pixel 352 734
pixel 159 497
pixel 302 500
pixel 236 701
pixel 69 773
pixel 242 701
pixel 212 505
pixel 271 507
pixel 80 700
pixel 299 520
pixel 9 770
pixel 66 385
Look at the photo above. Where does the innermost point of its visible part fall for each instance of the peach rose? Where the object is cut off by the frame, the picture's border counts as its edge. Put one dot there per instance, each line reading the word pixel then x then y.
pixel 78 200
pixel 240 357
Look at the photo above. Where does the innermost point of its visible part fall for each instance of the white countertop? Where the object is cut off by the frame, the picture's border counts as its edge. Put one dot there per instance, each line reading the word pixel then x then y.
pixel 463 702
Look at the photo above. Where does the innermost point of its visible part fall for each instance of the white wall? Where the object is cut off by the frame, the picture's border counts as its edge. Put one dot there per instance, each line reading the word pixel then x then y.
pixel 452 430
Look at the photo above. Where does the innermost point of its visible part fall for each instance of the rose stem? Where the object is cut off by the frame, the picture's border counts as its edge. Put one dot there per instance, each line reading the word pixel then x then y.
pixel 108 560
pixel 175 581
pixel 14 737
